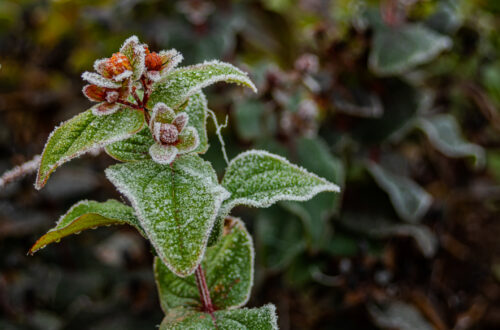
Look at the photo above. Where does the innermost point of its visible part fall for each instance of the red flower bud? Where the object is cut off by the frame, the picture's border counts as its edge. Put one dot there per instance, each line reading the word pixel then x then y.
pixel 153 61
pixel 116 65
pixel 95 93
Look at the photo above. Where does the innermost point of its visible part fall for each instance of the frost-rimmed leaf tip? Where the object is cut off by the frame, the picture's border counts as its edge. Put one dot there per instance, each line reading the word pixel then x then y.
pixel 184 82
pixel 262 318
pixel 160 64
pixel 136 54
pixel 176 206
pixel 258 178
pixel 84 133
pixel 229 269
pixel 86 215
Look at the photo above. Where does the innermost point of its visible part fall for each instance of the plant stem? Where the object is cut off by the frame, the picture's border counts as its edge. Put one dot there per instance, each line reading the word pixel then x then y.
pixel 20 171
pixel 206 302
pixel 136 97
pixel 147 90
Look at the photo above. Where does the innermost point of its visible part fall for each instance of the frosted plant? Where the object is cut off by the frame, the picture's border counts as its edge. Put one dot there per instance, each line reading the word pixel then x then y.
pixel 151 116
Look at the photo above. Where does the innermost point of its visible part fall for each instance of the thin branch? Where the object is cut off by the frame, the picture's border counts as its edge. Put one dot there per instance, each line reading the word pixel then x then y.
pixel 20 171
pixel 147 91
pixel 219 134
pixel 136 97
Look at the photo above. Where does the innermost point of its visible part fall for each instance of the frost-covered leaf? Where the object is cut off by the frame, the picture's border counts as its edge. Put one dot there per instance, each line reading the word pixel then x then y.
pixel 444 133
pixel 316 157
pixel 176 205
pixel 132 149
pixel 186 81
pixel 163 154
pixel 228 269
pixel 262 318
pixel 379 227
pixel 410 200
pixel 398 315
pixel 196 109
pixel 399 49
pixel 85 215
pixel 258 178
pixel 84 133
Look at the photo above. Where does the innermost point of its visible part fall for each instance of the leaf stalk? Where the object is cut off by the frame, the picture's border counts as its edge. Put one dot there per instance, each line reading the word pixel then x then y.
pixel 206 302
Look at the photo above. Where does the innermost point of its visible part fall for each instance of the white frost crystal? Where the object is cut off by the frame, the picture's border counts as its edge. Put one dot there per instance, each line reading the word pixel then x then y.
pixel 176 206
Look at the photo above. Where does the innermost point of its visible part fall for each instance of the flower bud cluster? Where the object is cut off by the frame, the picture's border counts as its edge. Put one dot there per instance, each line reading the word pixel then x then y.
pixel 118 77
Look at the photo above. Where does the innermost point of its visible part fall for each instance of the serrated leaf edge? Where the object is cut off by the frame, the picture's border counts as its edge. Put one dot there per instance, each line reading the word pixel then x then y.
pixel 214 79
pixel 271 309
pixel 41 181
pixel 221 193
pixel 238 222
pixel 251 246
pixel 327 186
pixel 114 221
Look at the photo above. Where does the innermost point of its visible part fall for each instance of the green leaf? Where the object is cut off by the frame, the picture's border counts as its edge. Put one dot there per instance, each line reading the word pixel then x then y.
pixel 263 318
pixel 379 227
pixel 258 178
pixel 88 214
pixel 84 133
pixel 186 81
pixel 132 149
pixel 410 200
pixel 399 49
pixel 316 157
pixel 228 269
pixel 444 133
pixel 196 109
pixel 176 205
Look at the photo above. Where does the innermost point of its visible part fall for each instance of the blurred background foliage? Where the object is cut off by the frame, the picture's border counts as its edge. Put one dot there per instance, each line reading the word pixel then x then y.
pixel 396 101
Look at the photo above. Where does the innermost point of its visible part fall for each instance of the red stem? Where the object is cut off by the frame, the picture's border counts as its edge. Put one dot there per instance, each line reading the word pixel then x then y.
pixel 136 97
pixel 147 91
pixel 206 302
pixel 141 105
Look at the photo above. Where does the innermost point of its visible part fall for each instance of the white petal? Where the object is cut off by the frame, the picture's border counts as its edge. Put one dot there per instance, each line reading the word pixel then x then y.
pixel 105 108
pixel 99 80
pixel 163 154
pixel 99 65
pixel 130 43
pixel 159 109
pixel 122 76
pixel 153 75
